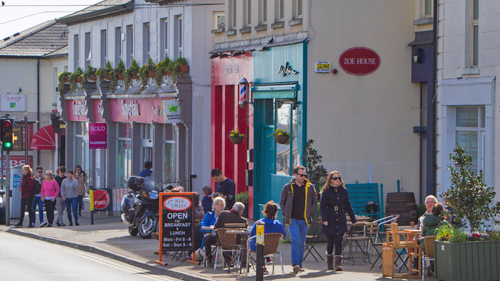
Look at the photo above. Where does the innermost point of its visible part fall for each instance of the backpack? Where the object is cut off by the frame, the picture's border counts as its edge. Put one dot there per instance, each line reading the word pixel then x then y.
pixel 37 187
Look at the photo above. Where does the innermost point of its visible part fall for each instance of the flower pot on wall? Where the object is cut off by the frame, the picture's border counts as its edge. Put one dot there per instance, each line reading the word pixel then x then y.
pixel 120 76
pixel 477 260
pixel 151 73
pixel 91 78
pixel 184 69
pixel 236 139
pixel 283 139
pixel 135 76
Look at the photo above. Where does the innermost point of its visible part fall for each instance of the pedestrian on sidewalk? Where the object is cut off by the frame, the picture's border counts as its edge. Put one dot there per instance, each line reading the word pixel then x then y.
pixel 37 200
pixel 50 190
pixel 60 205
pixel 333 206
pixel 298 204
pixel 83 187
pixel 26 189
pixel 70 196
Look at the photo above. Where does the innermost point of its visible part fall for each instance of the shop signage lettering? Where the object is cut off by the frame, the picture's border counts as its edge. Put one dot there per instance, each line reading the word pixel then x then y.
pixel 232 68
pixel 80 108
pixel 12 102
pixel 157 111
pixel 287 70
pixel 130 109
pixel 359 61
pixel 177 222
pixel 101 199
pixel 98 136
pixel 171 111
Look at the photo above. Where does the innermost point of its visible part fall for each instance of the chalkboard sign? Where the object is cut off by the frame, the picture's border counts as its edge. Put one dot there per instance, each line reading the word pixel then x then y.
pixel 177 221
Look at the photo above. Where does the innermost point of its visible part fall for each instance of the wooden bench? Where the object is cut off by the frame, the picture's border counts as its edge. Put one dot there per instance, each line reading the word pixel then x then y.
pixel 362 193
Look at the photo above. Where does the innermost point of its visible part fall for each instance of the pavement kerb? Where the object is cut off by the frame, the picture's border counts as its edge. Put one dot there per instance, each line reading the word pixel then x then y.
pixel 108 254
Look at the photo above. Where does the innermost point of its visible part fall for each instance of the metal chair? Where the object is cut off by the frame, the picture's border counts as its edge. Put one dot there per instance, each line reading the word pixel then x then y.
pixel 429 253
pixel 271 242
pixel 227 245
pixel 311 240
pixel 355 238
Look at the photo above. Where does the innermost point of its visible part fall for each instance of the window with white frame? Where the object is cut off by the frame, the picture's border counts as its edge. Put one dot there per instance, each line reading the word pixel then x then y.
pixel 147 142
pixel 219 21
pixel 178 36
pixel 104 54
pixel 279 10
pixel 470 133
pixel 297 9
pixel 231 14
pixel 76 52
pixel 130 44
pixel 164 38
pixel 169 154
pixel 427 8
pixel 118 45
pixel 262 12
pixel 88 50
pixel 124 153
pixel 247 13
pixel 475 32
pixel 146 43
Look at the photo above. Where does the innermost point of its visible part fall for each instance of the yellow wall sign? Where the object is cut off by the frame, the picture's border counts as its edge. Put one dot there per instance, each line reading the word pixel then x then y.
pixel 260 234
pixel 323 67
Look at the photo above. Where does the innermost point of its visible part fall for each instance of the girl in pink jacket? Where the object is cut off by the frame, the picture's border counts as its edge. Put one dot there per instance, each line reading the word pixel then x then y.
pixel 50 191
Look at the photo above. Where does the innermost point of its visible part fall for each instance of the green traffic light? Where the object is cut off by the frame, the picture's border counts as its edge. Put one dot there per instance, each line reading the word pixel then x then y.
pixel 7 144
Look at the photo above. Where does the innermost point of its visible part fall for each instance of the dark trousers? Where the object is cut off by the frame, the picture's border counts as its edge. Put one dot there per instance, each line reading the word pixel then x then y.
pixel 209 241
pixel 49 209
pixel 80 204
pixel 334 240
pixel 26 204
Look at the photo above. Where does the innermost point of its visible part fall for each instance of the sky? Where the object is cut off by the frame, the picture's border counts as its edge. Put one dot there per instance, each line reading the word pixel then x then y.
pixel 19 15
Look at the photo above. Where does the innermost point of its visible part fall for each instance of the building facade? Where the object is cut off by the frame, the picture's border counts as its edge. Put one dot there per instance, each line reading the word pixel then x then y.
pixel 344 81
pixel 138 128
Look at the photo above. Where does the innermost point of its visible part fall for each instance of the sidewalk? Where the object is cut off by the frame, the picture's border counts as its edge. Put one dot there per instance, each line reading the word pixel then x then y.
pixel 109 237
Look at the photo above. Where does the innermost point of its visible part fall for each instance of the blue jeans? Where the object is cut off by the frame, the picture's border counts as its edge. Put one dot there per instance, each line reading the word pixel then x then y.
pixel 298 230
pixel 80 203
pixel 37 200
pixel 72 205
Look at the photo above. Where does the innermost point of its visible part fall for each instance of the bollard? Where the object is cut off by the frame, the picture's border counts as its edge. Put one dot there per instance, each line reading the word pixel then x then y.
pixel 260 251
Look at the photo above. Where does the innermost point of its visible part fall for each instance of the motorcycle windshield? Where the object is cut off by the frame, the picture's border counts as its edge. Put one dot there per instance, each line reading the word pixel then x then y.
pixel 153 183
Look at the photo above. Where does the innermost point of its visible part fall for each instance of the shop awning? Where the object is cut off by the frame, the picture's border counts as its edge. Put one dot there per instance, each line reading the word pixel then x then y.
pixel 44 139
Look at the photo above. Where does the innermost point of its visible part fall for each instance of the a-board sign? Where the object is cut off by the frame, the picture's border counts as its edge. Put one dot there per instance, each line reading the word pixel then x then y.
pixel 177 221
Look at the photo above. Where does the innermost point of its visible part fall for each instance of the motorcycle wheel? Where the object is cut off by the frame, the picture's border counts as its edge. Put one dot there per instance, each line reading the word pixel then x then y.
pixel 147 226
pixel 133 230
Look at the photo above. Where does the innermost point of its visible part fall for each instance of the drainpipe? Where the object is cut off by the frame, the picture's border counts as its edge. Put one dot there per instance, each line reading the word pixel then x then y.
pixel 434 82
pixel 37 106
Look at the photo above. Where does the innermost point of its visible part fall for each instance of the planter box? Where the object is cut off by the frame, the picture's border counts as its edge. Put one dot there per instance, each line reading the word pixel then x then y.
pixel 467 261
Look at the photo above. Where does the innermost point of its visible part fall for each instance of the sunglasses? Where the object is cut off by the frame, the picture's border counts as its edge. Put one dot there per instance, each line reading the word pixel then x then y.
pixel 301 175
pixel 337 178
pixel 48 174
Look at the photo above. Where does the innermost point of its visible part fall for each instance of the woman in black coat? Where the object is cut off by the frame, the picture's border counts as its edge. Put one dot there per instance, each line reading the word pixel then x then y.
pixel 334 204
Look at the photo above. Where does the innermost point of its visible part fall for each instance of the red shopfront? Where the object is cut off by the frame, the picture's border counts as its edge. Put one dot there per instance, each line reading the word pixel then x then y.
pixel 227 115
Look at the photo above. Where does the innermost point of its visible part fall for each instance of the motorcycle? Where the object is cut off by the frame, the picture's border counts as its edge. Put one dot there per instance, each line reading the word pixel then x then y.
pixel 140 206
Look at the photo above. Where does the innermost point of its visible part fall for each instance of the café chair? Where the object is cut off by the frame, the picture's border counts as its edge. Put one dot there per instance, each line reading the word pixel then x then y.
pixel 429 254
pixel 271 243
pixel 227 244
pixel 311 240
pixel 356 237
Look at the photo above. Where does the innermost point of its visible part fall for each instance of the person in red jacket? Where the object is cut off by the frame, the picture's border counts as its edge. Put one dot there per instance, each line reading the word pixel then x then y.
pixel 26 189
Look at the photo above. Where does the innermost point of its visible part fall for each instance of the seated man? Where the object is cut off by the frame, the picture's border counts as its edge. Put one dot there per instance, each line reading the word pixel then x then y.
pixel 232 216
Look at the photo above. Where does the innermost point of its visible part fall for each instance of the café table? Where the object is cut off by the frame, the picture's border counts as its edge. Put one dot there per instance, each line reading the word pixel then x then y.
pixel 243 234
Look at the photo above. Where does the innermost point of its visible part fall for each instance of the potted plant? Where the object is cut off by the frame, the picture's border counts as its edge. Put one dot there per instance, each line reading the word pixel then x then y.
pixel 147 71
pixel 120 69
pixel 175 67
pixel 63 78
pixel 105 73
pixel 471 200
pixel 281 136
pixel 89 75
pixel 243 198
pixel 236 137
pixel 161 70
pixel 74 78
pixel 130 73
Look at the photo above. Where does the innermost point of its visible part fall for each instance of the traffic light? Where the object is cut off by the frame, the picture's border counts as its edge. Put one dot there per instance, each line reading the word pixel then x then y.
pixel 7 127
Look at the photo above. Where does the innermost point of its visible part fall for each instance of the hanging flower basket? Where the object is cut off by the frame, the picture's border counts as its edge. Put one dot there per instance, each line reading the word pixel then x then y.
pixel 236 139
pixel 282 139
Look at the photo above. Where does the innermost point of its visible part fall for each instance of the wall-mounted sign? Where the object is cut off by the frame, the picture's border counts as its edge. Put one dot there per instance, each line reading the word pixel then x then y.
pixel 102 199
pixel 13 102
pixel 171 111
pixel 287 70
pixel 323 67
pixel 98 136
pixel 359 61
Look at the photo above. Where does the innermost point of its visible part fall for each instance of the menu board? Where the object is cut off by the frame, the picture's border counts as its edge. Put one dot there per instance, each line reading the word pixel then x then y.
pixel 177 221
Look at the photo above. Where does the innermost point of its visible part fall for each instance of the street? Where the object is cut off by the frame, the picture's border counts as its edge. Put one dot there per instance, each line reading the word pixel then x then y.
pixel 29 259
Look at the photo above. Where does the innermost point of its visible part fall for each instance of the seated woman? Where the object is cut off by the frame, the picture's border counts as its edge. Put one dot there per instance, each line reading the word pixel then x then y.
pixel 209 237
pixel 433 221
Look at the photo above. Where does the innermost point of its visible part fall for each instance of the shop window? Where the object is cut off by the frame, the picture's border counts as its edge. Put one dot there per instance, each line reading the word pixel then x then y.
pixel 82 152
pixel 124 154
pixel 470 133
pixel 286 119
pixel 147 142
pixel 169 161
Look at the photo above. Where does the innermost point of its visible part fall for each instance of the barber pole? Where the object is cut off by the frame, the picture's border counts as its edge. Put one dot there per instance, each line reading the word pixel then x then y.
pixel 243 93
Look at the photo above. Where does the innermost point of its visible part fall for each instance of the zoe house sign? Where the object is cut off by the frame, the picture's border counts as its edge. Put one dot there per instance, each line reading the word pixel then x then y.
pixel 359 61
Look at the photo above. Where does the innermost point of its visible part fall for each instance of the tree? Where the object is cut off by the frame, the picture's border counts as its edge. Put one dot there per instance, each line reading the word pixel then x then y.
pixel 316 173
pixel 468 196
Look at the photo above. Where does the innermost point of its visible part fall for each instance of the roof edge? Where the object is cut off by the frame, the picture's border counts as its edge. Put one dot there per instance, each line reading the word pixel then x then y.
pixel 127 7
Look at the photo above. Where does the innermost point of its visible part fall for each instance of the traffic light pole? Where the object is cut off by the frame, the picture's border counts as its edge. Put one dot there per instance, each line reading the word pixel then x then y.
pixel 8 192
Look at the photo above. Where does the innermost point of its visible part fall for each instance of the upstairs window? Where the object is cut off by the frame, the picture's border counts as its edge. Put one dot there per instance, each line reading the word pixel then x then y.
pixel 475 33
pixel 104 54
pixel 130 44
pixel 297 9
pixel 279 10
pixel 164 38
pixel 146 43
pixel 76 52
pixel 262 12
pixel 88 50
pixel 178 36
pixel 118 45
